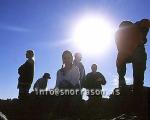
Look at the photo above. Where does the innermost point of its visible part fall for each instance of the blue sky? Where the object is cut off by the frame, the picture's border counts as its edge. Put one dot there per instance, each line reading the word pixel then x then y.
pixel 44 25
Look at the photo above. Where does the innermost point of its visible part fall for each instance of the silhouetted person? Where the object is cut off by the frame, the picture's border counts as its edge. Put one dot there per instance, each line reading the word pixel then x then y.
pixel 26 72
pixel 77 62
pixel 68 76
pixel 94 81
pixel 42 82
pixel 130 44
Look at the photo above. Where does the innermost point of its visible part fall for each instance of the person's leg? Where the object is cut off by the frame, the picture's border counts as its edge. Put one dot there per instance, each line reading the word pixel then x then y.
pixel 121 69
pixel 138 75
pixel 27 88
pixel 23 92
pixel 139 67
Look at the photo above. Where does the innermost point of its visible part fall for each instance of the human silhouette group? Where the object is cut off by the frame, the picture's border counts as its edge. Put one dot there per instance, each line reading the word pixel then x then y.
pixel 130 41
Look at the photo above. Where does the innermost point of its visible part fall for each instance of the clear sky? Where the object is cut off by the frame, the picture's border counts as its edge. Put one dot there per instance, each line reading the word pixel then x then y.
pixel 45 27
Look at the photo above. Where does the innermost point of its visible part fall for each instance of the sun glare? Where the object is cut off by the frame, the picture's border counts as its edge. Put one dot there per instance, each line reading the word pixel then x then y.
pixel 93 35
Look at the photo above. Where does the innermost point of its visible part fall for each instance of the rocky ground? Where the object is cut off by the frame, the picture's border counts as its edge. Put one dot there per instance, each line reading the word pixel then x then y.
pixel 118 107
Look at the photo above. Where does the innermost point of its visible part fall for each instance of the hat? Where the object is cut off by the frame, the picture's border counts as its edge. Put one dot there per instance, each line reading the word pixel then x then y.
pixel 47 75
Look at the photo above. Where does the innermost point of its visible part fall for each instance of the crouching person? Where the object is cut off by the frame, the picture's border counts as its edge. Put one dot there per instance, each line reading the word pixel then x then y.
pixel 41 84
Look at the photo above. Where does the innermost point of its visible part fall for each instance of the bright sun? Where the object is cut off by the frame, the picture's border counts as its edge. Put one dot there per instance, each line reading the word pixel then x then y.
pixel 93 35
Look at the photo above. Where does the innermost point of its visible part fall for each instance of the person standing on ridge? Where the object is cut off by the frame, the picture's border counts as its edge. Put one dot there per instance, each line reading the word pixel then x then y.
pixel 26 74
pixel 131 40
pixel 94 81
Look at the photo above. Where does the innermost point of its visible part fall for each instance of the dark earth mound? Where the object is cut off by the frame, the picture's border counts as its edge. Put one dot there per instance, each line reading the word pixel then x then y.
pixel 124 106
